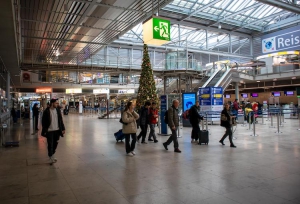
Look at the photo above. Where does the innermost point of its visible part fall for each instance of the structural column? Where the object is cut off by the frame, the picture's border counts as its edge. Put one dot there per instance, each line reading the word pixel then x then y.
pixel 8 89
pixel 165 85
pixel 237 91
pixel 179 84
pixel 93 101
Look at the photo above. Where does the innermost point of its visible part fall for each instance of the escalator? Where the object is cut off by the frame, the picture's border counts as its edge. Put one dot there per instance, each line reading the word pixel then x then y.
pixel 214 79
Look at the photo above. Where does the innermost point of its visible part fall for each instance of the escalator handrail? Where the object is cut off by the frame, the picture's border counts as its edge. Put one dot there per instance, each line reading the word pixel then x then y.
pixel 223 77
pixel 212 77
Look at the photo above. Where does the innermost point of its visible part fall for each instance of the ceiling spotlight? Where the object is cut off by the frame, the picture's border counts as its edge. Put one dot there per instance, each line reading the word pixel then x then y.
pixel 219 26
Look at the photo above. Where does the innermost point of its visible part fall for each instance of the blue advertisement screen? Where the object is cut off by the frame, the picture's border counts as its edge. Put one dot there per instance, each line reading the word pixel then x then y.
pixel 189 99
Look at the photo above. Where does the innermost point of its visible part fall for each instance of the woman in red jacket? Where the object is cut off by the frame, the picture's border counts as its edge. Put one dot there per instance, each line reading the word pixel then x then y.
pixel 153 116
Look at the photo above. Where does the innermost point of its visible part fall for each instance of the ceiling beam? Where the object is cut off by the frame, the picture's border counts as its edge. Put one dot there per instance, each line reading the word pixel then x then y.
pixel 63 40
pixel 291 7
pixel 109 6
pixel 68 24
pixel 216 30
pixel 201 9
pixel 283 23
pixel 235 13
pixel 259 20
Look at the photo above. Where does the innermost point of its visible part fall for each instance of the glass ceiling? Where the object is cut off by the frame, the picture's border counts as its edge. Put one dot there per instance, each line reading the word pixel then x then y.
pixel 232 14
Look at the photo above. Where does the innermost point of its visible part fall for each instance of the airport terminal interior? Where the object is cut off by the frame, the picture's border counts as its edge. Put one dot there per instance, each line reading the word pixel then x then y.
pixel 100 60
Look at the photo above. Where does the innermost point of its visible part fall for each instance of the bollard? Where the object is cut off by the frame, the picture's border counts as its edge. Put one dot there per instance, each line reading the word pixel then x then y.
pixel 299 119
pixel 268 114
pixel 254 133
pixel 282 117
pixel 278 131
pixel 206 122
pixel 280 122
pixel 263 123
pixel 272 125
pixel 249 114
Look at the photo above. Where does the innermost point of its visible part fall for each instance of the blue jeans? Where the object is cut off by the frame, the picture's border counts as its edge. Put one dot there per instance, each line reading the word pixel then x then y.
pixel 152 132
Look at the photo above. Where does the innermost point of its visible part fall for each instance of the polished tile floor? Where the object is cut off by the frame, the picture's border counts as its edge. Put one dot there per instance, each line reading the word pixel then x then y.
pixel 93 168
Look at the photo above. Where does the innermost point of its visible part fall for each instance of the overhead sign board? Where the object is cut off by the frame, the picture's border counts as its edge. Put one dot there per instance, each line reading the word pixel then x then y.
pixel 284 40
pixel 43 90
pixel 101 91
pixel 156 31
pixel 126 91
pixel 72 91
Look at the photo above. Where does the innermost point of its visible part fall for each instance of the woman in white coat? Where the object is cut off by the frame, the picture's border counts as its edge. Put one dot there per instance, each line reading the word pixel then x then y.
pixel 129 118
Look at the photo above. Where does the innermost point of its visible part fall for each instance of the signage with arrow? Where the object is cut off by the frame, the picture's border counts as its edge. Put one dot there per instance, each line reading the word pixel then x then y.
pixel 161 29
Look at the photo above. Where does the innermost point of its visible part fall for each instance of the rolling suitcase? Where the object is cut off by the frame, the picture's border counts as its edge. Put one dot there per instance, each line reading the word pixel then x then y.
pixel 119 136
pixel 203 135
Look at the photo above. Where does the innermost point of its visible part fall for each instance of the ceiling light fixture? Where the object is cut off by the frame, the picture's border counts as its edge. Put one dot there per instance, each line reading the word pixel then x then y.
pixel 219 26
pixel 293 77
pixel 274 79
pixel 257 81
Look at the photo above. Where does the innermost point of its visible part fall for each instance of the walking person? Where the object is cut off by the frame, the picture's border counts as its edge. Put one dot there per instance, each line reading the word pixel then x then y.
pixel 52 127
pixel 173 123
pixel 235 108
pixel 195 119
pixel 129 118
pixel 144 121
pixel 226 121
pixel 35 116
pixel 153 116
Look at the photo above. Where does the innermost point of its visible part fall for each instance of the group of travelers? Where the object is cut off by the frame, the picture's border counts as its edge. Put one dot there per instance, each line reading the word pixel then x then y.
pixel 148 116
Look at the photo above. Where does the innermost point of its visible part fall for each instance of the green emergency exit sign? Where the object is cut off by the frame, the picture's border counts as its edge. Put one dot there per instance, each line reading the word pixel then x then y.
pixel 161 29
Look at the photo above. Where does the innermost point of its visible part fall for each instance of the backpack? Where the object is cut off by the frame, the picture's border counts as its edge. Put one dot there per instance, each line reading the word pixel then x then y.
pixel 166 119
pixel 186 114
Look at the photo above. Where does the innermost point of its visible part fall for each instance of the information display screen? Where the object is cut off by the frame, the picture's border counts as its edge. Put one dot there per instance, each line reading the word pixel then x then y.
pixel 244 95
pixel 276 94
pixel 289 93
pixel 227 96
pixel 254 95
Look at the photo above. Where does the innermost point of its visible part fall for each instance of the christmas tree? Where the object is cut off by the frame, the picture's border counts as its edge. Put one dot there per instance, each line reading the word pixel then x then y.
pixel 147 88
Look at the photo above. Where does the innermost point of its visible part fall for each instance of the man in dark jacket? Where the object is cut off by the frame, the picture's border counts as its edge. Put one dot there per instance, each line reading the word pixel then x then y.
pixel 195 119
pixel 226 121
pixel 53 127
pixel 144 121
pixel 173 123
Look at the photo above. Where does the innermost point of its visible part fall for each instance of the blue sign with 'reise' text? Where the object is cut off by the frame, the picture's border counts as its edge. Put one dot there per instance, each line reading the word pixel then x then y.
pixel 284 40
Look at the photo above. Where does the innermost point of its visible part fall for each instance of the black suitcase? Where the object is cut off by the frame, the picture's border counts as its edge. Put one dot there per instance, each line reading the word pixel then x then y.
pixel 203 137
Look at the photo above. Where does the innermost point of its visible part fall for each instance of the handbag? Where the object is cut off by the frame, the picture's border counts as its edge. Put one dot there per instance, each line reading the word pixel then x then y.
pixel 121 121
